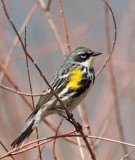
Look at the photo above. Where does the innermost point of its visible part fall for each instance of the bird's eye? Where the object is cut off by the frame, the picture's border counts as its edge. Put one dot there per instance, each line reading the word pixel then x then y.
pixel 83 55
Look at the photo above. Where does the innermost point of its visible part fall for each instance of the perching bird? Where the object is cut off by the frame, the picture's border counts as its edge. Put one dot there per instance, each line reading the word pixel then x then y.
pixel 71 83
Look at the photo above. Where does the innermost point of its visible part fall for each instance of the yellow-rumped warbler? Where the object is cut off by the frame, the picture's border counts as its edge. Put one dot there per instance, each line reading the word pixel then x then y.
pixel 71 83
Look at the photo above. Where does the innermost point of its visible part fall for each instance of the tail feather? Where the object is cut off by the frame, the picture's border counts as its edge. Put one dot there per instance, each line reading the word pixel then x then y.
pixel 25 133
pixel 32 123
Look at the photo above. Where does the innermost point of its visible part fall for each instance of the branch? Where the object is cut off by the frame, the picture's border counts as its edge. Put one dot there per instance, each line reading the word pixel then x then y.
pixel 6 149
pixel 113 81
pixel 48 5
pixel 32 142
pixel 55 139
pixel 114 41
pixel 61 136
pixel 53 26
pixel 88 125
pixel 127 155
pixel 65 27
pixel 7 60
pixel 23 93
pixel 28 71
pixel 14 85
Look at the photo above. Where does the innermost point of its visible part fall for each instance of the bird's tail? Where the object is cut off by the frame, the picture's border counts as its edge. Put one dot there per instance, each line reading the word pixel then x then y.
pixel 26 131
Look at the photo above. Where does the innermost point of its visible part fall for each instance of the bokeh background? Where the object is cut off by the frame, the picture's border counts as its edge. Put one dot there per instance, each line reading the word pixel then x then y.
pixel 85 22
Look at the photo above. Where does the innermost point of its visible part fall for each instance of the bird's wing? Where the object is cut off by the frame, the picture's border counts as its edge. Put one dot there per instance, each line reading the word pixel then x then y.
pixel 59 82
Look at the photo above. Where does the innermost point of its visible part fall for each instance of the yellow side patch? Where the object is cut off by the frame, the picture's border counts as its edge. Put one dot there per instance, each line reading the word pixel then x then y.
pixel 75 78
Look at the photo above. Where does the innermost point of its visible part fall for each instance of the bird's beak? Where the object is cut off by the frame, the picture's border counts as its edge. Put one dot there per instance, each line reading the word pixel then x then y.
pixel 96 54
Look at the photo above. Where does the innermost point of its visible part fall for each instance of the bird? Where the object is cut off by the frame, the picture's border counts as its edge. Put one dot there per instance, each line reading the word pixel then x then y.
pixel 71 83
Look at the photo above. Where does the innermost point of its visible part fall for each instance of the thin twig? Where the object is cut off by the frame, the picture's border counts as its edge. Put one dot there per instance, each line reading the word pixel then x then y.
pixel 55 139
pixel 6 149
pixel 23 93
pixel 27 144
pixel 88 126
pixel 48 5
pixel 13 84
pixel 29 79
pixel 80 148
pixel 53 26
pixel 86 136
pixel 113 81
pixel 32 142
pixel 7 60
pixel 65 27
pixel 102 133
pixel 66 135
pixel 127 155
pixel 88 145
pixel 114 41
pixel 68 140
pixel 80 114
pixel 41 74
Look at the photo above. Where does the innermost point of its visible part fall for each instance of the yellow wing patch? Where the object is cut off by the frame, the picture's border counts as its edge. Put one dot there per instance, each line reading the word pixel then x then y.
pixel 75 78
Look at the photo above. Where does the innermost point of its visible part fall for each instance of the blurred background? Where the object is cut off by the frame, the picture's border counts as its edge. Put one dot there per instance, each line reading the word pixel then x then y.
pixel 86 26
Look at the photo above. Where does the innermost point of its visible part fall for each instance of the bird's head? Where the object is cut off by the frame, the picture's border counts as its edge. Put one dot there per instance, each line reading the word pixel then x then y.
pixel 84 56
